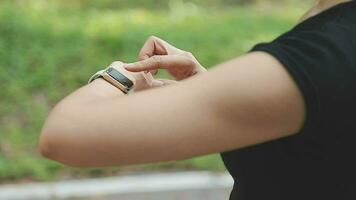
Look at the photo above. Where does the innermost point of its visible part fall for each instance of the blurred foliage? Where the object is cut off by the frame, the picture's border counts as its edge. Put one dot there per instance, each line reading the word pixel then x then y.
pixel 119 4
pixel 50 48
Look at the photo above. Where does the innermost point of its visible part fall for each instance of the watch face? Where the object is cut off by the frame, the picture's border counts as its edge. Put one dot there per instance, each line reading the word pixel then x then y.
pixel 119 77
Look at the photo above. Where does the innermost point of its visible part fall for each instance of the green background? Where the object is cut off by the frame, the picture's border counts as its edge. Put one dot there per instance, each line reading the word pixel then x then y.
pixel 50 48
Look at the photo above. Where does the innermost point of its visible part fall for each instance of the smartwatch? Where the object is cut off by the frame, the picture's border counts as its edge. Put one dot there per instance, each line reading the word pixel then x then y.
pixel 115 78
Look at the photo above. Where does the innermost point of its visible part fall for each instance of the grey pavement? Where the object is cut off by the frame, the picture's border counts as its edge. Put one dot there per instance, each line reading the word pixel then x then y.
pixel 159 186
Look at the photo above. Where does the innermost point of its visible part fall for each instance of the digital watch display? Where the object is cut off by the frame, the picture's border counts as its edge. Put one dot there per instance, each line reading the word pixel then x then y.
pixel 114 77
pixel 119 77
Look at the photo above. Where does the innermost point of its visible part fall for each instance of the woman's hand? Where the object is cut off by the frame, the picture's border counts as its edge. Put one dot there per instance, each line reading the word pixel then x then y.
pixel 142 81
pixel 158 54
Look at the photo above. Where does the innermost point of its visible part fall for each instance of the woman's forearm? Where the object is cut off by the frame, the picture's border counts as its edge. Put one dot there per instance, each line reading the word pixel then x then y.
pixel 99 126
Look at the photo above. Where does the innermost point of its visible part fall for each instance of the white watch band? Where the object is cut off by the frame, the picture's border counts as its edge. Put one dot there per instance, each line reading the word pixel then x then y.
pixel 96 75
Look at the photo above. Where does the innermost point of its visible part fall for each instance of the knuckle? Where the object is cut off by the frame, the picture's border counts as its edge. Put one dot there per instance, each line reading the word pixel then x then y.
pixel 152 37
pixel 189 58
pixel 191 62
pixel 141 65
pixel 156 60
pixel 188 54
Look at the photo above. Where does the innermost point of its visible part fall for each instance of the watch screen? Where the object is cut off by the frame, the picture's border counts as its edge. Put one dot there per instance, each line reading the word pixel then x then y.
pixel 119 77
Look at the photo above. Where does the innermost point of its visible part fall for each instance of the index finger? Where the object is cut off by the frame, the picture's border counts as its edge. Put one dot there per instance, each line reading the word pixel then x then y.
pixel 158 62
pixel 152 63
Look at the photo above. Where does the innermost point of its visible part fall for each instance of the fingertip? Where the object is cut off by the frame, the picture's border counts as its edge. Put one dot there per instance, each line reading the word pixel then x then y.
pixel 129 67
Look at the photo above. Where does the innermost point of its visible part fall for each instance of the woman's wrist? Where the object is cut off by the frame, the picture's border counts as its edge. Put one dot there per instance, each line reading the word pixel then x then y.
pixel 104 89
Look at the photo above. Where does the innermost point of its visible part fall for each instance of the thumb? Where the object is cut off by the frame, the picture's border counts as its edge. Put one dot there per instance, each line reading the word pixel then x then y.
pixel 162 82
pixel 167 81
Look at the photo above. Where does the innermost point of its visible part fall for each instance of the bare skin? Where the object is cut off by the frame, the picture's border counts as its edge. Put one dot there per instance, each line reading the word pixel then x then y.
pixel 246 101
pixel 320 6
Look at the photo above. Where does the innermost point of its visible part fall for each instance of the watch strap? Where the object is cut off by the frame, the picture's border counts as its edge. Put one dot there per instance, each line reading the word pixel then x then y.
pixel 96 75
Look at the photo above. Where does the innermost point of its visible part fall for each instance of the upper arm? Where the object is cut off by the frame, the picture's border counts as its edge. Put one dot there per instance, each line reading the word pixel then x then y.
pixel 259 99
pixel 243 102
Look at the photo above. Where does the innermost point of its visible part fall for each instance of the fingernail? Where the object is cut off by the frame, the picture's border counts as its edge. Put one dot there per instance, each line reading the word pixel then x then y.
pixel 128 66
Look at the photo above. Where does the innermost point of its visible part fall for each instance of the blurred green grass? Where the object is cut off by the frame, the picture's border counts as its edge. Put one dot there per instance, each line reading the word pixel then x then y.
pixel 47 50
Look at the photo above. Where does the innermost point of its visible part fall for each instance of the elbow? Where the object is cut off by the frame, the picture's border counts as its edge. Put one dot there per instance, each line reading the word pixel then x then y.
pixel 48 146
pixel 54 140
pixel 51 133
pixel 45 149
pixel 51 147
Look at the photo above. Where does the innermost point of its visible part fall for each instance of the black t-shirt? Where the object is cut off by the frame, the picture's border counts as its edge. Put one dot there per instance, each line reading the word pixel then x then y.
pixel 319 162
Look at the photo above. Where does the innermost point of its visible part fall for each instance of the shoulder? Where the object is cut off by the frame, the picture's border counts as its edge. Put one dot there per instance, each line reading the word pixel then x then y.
pixel 321 61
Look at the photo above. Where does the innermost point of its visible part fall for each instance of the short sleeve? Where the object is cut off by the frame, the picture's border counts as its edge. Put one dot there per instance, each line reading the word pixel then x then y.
pixel 318 65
